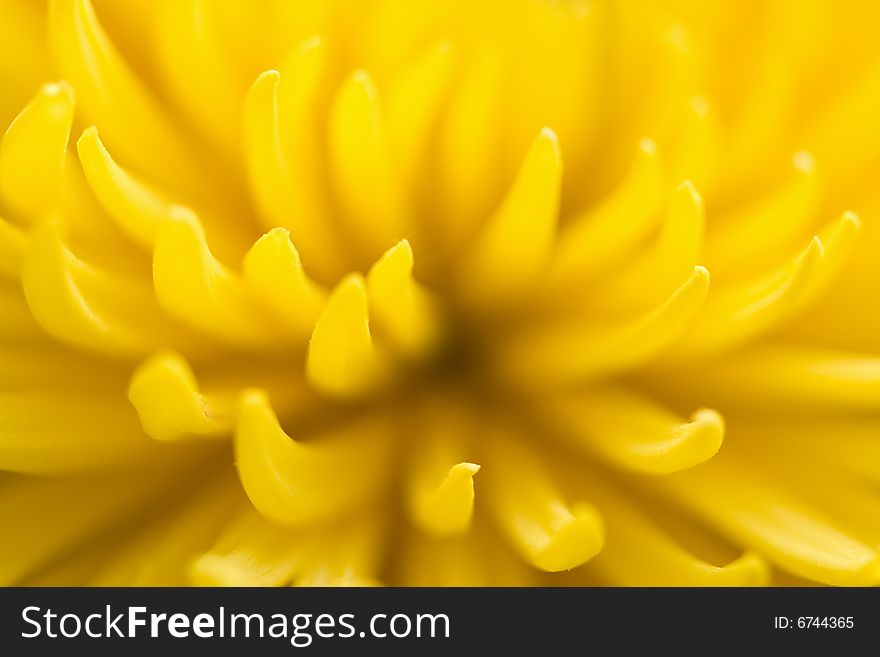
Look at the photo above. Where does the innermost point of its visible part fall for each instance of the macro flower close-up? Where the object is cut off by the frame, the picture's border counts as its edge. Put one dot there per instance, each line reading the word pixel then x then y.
pixel 484 293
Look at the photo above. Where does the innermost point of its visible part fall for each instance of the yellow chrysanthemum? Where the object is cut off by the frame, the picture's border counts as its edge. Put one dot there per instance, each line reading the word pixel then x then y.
pixel 348 292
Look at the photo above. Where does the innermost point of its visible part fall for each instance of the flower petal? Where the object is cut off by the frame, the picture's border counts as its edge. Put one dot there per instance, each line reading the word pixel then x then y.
pixel 279 127
pixel 87 306
pixel 301 483
pixel 573 353
pixel 649 279
pixel 33 150
pixel 404 312
pixel 761 514
pixel 272 269
pixel 438 482
pixel 767 225
pixel 136 208
pixel 632 432
pixel 640 553
pixel 192 285
pixel 361 162
pixel 514 246
pixel 595 239
pixel 111 96
pixel 342 361
pixel 530 511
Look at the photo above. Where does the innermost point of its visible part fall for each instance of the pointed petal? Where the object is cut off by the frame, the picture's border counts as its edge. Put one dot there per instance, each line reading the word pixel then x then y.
pixel 166 395
pixel 532 514
pixel 89 307
pixel 194 66
pixel 404 312
pixel 469 179
pixel 414 103
pixel 192 285
pixel 739 312
pixel 765 516
pixel 342 361
pixel 281 149
pixel 301 483
pixel 136 208
pixel 513 247
pixel 641 551
pixel 597 238
pixel 574 353
pixel 678 248
pixel 111 96
pixel 272 269
pixel 769 224
pixel 633 432
pixel 438 478
pixel 446 507
pixel 33 149
pixel 362 167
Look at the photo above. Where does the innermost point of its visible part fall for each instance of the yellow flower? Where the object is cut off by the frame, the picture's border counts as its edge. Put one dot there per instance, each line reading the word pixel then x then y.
pixel 352 292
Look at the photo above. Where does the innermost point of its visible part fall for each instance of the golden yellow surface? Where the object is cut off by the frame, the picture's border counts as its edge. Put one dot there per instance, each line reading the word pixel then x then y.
pixel 465 292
